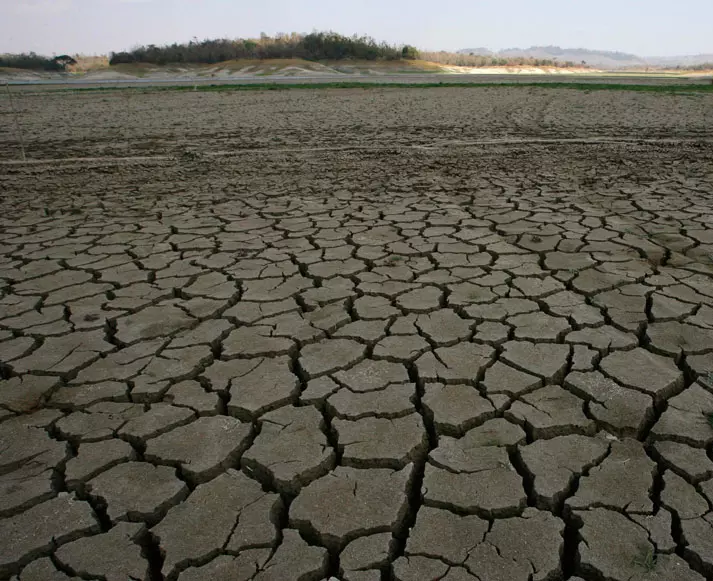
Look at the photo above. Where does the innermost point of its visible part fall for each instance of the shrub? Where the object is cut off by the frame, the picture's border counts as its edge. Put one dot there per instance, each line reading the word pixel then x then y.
pixel 120 58
pixel 36 62
pixel 409 52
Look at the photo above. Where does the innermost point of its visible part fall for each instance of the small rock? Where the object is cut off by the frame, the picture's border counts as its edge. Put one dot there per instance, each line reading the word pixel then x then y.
pixel 462 363
pixel 370 552
pixel 203 448
pixel 114 556
pixel 622 481
pixel 393 401
pixel 191 394
pixel 137 491
pixel 555 464
pixel 26 393
pixel 42 570
pixel 454 409
pixel 330 355
pixel 93 458
pixel 616 548
pixel 691 463
pixel 160 418
pixel 184 537
pixel 294 559
pixel 242 567
pixel 42 527
pixel 361 502
pixel 551 411
pixel 492 492
pixel 681 497
pixel 291 449
pixel 77 397
pixel 624 411
pixel 372 375
pixel 639 369
pixel 381 442
pixel 256 385
pixel 501 378
pixel 444 535
pixel 685 420
pixel 546 360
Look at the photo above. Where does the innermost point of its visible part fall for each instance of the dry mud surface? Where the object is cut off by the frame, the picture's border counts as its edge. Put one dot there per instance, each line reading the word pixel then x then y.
pixel 345 334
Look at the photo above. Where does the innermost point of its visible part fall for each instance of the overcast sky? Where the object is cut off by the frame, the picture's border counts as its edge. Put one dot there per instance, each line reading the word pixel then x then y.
pixel 643 27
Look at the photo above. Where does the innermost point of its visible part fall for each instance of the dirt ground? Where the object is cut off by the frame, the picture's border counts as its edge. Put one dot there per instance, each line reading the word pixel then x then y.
pixel 61 124
pixel 366 335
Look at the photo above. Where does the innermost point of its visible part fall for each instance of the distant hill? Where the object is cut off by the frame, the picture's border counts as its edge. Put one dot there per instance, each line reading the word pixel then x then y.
pixel 480 51
pixel 683 61
pixel 596 58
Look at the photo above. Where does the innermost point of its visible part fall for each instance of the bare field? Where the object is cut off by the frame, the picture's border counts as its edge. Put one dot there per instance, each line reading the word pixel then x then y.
pixel 457 334
pixel 129 122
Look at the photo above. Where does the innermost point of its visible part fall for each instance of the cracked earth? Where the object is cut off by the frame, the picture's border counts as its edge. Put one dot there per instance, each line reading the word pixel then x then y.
pixel 470 362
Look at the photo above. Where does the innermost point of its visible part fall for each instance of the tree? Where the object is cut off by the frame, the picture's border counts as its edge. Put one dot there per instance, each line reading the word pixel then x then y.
pixel 409 52
pixel 121 58
pixel 60 63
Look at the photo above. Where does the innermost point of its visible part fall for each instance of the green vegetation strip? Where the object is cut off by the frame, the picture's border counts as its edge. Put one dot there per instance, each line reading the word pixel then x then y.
pixel 653 88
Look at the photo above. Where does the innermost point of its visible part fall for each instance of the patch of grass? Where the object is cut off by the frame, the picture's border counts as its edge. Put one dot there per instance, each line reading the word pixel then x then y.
pixel 646 559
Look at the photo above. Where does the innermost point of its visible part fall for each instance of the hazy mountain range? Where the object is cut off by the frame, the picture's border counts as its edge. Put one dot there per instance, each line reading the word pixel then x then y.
pixel 595 58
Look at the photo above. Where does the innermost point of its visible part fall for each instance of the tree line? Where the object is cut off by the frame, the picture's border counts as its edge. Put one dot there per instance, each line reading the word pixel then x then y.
pixel 314 46
pixel 699 67
pixel 36 62
pixel 476 60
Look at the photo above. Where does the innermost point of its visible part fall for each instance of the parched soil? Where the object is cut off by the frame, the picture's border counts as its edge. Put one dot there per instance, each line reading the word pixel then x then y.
pixel 457 334
pixel 130 122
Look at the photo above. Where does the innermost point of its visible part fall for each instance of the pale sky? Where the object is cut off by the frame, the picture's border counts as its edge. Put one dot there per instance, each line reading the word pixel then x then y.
pixel 643 27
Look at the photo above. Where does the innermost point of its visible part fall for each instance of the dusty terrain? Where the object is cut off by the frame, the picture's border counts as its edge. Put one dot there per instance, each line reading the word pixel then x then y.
pixel 458 334
pixel 66 124
pixel 97 68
